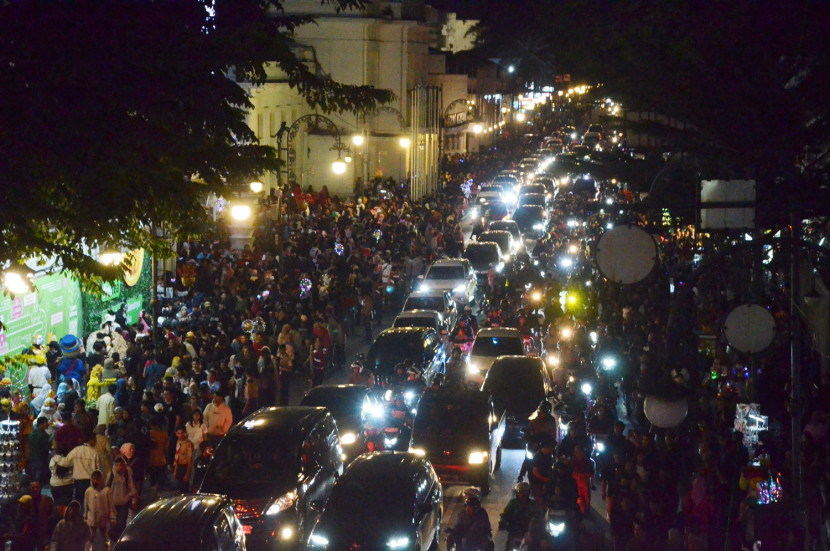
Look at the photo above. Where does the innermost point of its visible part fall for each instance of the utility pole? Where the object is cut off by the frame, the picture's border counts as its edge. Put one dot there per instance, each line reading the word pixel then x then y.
pixel 796 398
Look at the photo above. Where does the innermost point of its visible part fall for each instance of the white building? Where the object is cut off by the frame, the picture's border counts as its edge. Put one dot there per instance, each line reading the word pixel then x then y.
pixel 371 48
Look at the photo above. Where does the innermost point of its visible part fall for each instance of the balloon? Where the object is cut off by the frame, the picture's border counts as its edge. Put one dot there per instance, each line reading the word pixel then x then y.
pixel 248 326
pixel 665 414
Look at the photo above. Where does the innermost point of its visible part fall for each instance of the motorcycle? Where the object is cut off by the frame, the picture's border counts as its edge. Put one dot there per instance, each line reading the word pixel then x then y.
pixel 561 525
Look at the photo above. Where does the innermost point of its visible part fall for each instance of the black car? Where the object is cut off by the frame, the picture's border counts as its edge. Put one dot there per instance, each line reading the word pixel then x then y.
pixel 200 522
pixel 483 256
pixel 532 221
pixel 387 500
pixel 517 384
pixel 352 406
pixel 418 346
pixel 460 434
pixel 273 464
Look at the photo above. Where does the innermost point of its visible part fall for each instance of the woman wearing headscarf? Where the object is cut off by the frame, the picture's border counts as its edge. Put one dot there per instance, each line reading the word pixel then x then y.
pixel 37 401
pixel 131 461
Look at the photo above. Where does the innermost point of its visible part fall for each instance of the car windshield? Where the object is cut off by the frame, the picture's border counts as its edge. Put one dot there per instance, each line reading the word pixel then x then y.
pixel 526 217
pixel 445 272
pixel 387 352
pixel 503 239
pixel 341 402
pixel 412 321
pixel 500 225
pixel 497 346
pixel 481 257
pixel 373 495
pixel 532 199
pixel 251 459
pixel 451 418
pixel 424 303
pixel 515 386
pixel 527 190
pixel 490 189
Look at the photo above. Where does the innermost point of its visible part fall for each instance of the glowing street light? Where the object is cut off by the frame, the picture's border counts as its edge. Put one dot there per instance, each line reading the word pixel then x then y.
pixel 520 117
pixel 477 128
pixel 16 283
pixel 256 187
pixel 357 139
pixel 404 142
pixel 511 69
pixel 110 258
pixel 338 167
pixel 241 212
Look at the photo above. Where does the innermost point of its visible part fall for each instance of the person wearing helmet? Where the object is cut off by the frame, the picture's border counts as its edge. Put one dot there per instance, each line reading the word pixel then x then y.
pixel 360 376
pixel 471 531
pixel 436 383
pixel 470 318
pixel 517 515
pixel 413 387
pixel 455 370
pixel 543 422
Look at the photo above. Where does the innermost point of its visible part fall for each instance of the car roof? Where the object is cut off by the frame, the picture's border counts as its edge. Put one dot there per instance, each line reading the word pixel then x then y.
pixel 463 396
pixel 480 244
pixel 448 261
pixel 498 332
pixel 336 390
pixel 181 518
pixel 419 313
pixel 394 468
pixel 282 419
pixel 495 222
pixel 509 361
pixel 393 331
pixel 496 232
pixel 428 293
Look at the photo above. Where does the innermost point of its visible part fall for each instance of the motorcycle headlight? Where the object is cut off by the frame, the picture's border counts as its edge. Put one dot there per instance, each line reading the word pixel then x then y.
pixel 373 410
pixel 348 438
pixel 420 452
pixel 387 442
pixel 282 503
pixel 409 395
pixel 459 289
pixel 609 363
pixel 473 369
pixel 587 388
pixel 556 528
pixel 600 447
pixel 528 455
pixel 316 540
pixel 397 543
pixel 477 458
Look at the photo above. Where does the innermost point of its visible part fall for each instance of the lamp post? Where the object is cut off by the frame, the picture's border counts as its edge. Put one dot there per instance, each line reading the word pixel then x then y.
pixel 405 143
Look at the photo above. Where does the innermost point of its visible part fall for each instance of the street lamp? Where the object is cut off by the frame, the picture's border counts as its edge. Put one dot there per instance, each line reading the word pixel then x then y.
pixel 16 282
pixel 110 258
pixel 478 128
pixel 256 187
pixel 241 212
pixel 338 166
pixel 357 139
pixel 520 117
pixel 404 142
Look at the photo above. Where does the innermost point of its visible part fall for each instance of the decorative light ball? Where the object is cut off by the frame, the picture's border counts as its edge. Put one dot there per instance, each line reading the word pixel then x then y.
pixel 377 234
pixel 305 287
pixel 339 248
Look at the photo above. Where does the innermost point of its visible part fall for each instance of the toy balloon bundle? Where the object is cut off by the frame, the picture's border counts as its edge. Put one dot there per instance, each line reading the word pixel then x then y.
pixel 305 287
pixel 9 458
pixel 377 234
pixel 770 491
pixel 338 248
pixel 254 326
pixel 466 187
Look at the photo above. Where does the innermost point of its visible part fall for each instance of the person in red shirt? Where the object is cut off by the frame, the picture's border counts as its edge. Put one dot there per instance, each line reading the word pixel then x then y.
pixel 583 472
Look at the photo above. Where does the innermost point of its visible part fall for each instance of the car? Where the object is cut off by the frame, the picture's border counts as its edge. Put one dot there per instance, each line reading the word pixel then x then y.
pixel 546 182
pixel 422 318
pixel 418 346
pixel 351 406
pixel 272 465
pixel 584 185
pixel 384 500
pixel 494 211
pixel 489 344
pixel 539 199
pixel 517 385
pixel 488 195
pixel 460 434
pixel 455 275
pixel 483 256
pixel 532 189
pixel 508 226
pixel 191 522
pixel 532 221
pixel 595 128
pixel 508 182
pixel 502 238
pixel 591 140
pixel 545 153
pixel 581 151
pixel 433 299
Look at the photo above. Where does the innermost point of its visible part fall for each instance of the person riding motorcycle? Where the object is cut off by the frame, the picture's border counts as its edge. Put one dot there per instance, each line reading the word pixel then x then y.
pixel 536 538
pixel 600 420
pixel 455 368
pixel 413 387
pixel 360 376
pixel 517 515
pixel 462 333
pixel 470 318
pixel 471 531
pixel 543 422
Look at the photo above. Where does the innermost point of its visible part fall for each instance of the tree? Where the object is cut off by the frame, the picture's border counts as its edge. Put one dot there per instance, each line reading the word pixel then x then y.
pixel 121 116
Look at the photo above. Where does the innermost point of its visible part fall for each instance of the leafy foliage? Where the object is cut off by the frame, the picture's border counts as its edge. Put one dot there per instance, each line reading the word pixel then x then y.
pixel 122 116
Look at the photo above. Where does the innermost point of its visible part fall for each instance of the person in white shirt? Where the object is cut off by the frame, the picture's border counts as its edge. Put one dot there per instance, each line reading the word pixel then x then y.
pixel 218 418
pixel 106 406
pixel 84 461
pixel 196 428
pixel 37 377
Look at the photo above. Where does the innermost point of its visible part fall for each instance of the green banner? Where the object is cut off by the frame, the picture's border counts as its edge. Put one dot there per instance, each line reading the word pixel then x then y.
pixel 54 307
pixel 117 293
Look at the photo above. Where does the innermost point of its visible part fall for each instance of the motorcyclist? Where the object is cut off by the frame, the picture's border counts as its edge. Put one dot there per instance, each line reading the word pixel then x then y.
pixel 455 370
pixel 413 387
pixel 600 420
pixel 472 322
pixel 543 422
pixel 471 531
pixel 518 513
pixel 437 383
pixel 360 376
pixel 576 437
pixel 541 466
pixel 462 333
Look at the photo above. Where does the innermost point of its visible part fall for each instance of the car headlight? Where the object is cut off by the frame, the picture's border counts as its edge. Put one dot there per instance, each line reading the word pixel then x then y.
pixel 348 438
pixel 459 289
pixel 528 454
pixel 600 447
pixel 538 227
pixel 397 543
pixel 317 540
pixel 609 363
pixel 477 458
pixel 282 503
pixel 509 197
pixel 420 452
pixel 499 267
pixel 373 410
pixel 424 287
pixel 586 389
pixel 287 533
pixel 473 369
pixel 481 199
pixel 556 528
pixel 553 360
pixel 507 258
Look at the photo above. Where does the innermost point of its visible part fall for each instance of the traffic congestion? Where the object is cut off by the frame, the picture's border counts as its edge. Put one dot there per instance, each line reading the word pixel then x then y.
pixel 459 370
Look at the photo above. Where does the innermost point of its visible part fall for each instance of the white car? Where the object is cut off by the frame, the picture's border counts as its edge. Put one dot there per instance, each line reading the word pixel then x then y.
pixel 489 344
pixel 452 274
